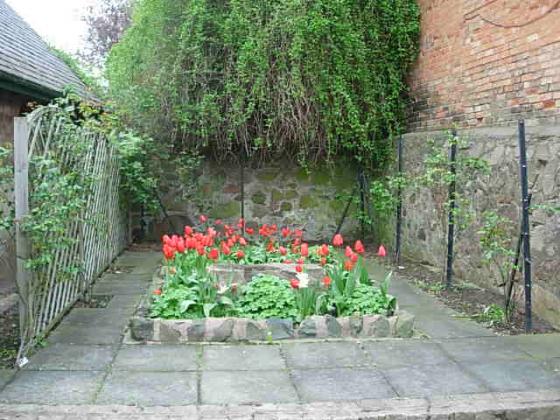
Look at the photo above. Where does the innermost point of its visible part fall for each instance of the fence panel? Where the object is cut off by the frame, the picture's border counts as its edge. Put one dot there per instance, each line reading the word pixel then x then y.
pixel 89 242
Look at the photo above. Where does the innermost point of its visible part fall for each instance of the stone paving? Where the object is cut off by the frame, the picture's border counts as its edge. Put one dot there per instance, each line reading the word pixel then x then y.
pixel 88 369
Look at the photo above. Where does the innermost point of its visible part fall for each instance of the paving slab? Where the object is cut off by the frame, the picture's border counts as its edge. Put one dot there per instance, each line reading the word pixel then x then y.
pixel 96 317
pixel 247 387
pixel 446 327
pixel 5 376
pixel 61 356
pixel 518 375
pixel 242 357
pixel 392 353
pixel 149 388
pixel 52 387
pixel 157 358
pixel 542 346
pixel 136 289
pixel 123 303
pixel 81 334
pixel 485 348
pixel 324 355
pixel 341 384
pixel 431 380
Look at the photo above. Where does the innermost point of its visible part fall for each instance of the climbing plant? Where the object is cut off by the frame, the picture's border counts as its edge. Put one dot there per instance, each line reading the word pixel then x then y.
pixel 307 79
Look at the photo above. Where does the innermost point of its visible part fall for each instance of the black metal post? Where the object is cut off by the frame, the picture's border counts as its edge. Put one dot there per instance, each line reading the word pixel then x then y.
pixel 525 226
pixel 361 183
pixel 451 214
pixel 242 183
pixel 345 212
pixel 399 203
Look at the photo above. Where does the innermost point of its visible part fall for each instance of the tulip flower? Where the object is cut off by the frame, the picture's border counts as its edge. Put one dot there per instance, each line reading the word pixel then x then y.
pixel 200 250
pixel 240 255
pixel 298 233
pixel 218 222
pixel 157 292
pixel 250 231
pixel 169 252
pixel 202 218
pixel 286 232
pixel 294 283
pixel 166 239
pixel 242 242
pixel 181 245
pixel 214 254
pixel 323 261
pixel 188 231
pixel 381 252
pixel 354 258
pixel 304 250
pixel 299 268
pixel 359 247
pixel 324 250
pixel 337 240
pixel 348 265
pixel 283 251
pixel 327 281
pixel 348 252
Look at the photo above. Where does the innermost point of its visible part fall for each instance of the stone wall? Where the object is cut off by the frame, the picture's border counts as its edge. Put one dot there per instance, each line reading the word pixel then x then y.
pixel 425 223
pixel 279 192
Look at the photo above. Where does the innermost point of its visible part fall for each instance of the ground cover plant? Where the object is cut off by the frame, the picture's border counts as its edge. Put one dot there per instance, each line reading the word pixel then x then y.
pixel 190 290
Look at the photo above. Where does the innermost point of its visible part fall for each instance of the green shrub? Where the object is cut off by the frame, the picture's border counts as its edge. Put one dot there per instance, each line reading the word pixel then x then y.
pixel 267 297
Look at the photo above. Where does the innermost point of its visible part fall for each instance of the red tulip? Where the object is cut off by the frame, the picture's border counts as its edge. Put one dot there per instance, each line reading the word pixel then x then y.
pixel 288 262
pixel 323 261
pixel 181 245
pixel 337 240
pixel 218 222
pixel 225 249
pixel 270 247
pixel 300 261
pixel 202 218
pixel 241 223
pixel 381 252
pixel 250 231
pixel 348 252
pixel 242 242
pixel 166 239
pixel 298 233
pixel 286 232
pixel 283 251
pixel 188 230
pixel 168 252
pixel 324 250
pixel 240 254
pixel 294 283
pixel 348 265
pixel 200 250
pixel 157 292
pixel 327 281
pixel 299 268
pixel 304 250
pixel 359 247
pixel 214 254
pixel 354 258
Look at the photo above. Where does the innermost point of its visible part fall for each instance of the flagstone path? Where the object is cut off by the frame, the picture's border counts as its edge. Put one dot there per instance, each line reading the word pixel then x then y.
pixel 454 367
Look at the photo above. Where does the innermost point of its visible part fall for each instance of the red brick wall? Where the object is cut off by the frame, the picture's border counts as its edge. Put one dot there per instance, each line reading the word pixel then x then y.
pixel 486 62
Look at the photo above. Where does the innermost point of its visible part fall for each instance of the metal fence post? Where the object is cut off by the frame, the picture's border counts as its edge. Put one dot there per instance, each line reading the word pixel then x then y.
pixel 23 247
pixel 451 214
pixel 399 203
pixel 525 226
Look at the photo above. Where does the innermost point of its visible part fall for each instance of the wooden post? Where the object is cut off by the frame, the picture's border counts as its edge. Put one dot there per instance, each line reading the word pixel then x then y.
pixel 21 198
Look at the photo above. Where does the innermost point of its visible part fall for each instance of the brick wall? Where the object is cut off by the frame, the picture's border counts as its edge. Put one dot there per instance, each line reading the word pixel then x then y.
pixel 487 62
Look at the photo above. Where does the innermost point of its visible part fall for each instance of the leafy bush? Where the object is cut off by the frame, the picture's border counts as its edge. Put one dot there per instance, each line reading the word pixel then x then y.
pixel 309 79
pixel 267 297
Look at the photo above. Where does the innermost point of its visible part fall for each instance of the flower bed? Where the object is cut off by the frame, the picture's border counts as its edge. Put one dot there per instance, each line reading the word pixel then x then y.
pixel 224 283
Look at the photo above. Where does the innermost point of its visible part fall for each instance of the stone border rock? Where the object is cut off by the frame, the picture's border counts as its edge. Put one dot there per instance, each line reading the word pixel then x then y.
pixel 157 330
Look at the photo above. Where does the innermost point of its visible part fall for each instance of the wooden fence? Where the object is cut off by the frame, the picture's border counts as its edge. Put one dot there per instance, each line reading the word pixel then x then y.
pixel 92 239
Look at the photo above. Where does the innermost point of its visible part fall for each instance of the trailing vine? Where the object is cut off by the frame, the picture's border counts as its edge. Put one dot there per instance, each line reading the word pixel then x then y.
pixel 307 79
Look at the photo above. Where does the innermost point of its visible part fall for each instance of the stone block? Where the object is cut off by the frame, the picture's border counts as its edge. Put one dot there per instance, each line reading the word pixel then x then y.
pixel 142 329
pixel 280 329
pixel 375 326
pixel 308 328
pixel 218 329
pixel 404 325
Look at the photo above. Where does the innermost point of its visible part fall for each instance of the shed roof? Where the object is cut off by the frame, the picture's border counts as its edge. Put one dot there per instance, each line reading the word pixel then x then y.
pixel 27 64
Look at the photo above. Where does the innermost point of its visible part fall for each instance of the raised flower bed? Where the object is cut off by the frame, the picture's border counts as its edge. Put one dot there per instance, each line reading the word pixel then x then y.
pixel 223 283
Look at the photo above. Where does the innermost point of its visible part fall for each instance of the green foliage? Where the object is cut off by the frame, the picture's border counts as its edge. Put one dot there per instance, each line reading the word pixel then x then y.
pixel 87 79
pixel 268 297
pixel 307 79
pixel 492 315
pixel 366 299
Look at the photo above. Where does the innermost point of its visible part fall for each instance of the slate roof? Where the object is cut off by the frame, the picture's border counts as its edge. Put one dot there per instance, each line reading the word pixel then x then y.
pixel 26 60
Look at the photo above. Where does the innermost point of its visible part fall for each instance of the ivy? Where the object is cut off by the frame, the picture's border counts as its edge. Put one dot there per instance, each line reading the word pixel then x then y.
pixel 306 79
